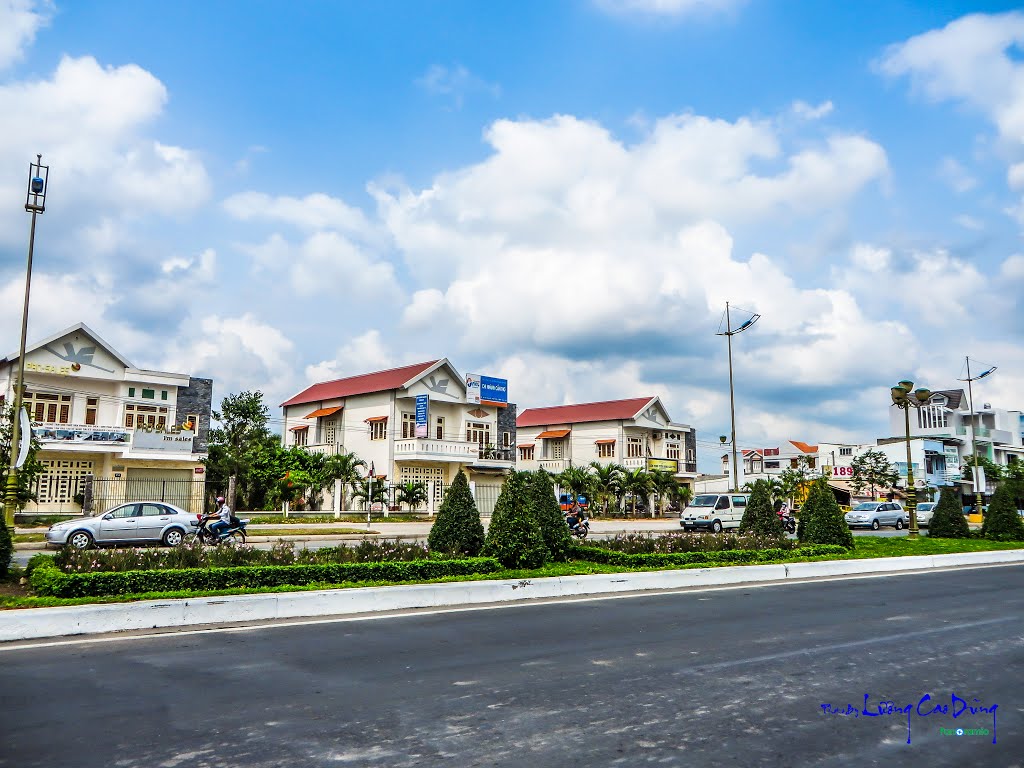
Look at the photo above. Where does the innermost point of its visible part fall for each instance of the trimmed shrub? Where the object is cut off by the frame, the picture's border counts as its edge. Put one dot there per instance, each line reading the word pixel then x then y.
pixel 596 554
pixel 548 515
pixel 457 529
pixel 645 543
pixel 513 536
pixel 822 519
pixel 47 580
pixel 948 521
pixel 6 549
pixel 759 517
pixel 1002 522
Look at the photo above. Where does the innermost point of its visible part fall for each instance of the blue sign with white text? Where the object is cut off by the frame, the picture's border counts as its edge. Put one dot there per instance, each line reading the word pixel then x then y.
pixel 493 390
pixel 422 402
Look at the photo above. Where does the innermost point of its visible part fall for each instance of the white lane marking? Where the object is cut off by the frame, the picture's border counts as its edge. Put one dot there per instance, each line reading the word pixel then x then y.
pixel 413 612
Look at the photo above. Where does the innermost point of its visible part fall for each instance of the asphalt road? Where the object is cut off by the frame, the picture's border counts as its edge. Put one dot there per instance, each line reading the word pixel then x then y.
pixel 703 678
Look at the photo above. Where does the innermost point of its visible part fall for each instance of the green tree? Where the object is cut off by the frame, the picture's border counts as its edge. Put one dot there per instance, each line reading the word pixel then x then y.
pixel 513 536
pixel 577 481
pixel 412 494
pixel 1002 521
pixel 636 483
pixel 664 485
pixel 759 516
pixel 948 520
pixel 548 515
pixel 607 482
pixel 993 472
pixel 821 520
pixel 369 491
pixel 457 529
pixel 792 481
pixel 345 467
pixel 241 440
pixel 873 469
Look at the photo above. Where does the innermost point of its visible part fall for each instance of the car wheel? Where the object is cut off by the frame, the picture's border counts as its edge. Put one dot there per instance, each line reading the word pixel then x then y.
pixel 80 540
pixel 717 526
pixel 899 524
pixel 174 537
pixel 875 524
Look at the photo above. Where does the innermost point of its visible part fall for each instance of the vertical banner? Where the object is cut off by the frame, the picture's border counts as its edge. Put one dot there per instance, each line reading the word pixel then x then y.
pixel 422 405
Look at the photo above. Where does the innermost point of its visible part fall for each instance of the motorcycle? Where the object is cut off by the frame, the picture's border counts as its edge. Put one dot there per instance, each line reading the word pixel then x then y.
pixel 233 535
pixel 581 530
pixel 788 522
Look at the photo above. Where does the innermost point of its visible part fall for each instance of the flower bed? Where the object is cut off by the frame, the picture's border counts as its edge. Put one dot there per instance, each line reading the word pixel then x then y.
pixel 597 554
pixel 646 544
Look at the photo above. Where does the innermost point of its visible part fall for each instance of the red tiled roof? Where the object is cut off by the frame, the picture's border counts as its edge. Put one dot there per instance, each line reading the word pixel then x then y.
pixel 609 410
pixel 359 385
pixel 553 434
pixel 323 412
pixel 805 447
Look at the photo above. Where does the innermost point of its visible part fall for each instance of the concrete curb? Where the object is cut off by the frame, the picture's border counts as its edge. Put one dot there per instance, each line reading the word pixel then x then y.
pixel 34 623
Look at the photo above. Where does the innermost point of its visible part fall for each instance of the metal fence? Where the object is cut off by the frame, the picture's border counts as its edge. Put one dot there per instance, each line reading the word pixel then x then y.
pixel 100 494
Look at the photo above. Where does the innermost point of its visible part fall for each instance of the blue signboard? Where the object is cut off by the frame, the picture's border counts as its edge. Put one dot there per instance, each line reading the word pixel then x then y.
pixel 421 415
pixel 493 390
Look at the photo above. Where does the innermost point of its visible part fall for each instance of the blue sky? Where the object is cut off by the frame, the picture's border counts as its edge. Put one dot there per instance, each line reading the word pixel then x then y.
pixel 563 193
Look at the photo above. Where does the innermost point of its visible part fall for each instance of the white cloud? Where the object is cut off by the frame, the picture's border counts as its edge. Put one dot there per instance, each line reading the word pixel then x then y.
pixel 19 22
pixel 56 302
pixel 956 176
pixel 201 268
pixel 1015 176
pixel 364 353
pixel 313 212
pixel 455 82
pixel 969 222
pixel 807 112
pixel 1013 267
pixel 667 8
pixel 870 258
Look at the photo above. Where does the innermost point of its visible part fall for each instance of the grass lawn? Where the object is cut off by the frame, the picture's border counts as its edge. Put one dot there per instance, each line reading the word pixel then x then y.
pixel 17 596
pixel 22 538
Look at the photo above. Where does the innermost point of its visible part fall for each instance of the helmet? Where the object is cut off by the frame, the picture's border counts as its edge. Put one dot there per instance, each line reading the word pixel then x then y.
pixel 220 499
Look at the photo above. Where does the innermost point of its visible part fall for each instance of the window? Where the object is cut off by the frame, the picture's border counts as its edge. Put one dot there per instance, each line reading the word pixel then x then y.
pixel 690 456
pixel 128 510
pixel 330 430
pixel 478 432
pixel 193 422
pixel 92 405
pixel 931 417
pixel 506 439
pixel 811 462
pixel 634 447
pixel 739 501
pixel 131 391
pixel 379 429
pixel 148 394
pixel 672 451
pixel 846 451
pixel 145 416
pixel 439 428
pixel 723 503
pixel 299 436
pixel 557 448
pixel 771 465
pixel 163 394
pixel 526 453
pixel 771 451
pixel 792 463
pixel 408 425
pixel 152 510
pixel 46 407
pixel 606 450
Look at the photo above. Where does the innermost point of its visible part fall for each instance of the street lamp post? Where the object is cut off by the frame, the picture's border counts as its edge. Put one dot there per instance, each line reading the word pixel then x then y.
pixel 35 203
pixel 978 489
pixel 729 332
pixel 905 397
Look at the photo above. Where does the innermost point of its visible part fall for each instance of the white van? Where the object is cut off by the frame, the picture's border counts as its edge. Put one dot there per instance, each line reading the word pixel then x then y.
pixel 714 512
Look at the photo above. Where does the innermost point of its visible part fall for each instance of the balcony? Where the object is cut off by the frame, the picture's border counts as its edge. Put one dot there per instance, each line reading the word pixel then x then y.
pixel 554 466
pixel 635 462
pixel 425 449
pixel 327 449
pixel 498 458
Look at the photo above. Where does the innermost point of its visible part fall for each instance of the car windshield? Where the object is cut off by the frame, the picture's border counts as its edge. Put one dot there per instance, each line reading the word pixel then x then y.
pixel 866 507
pixel 705 501
pixel 926 507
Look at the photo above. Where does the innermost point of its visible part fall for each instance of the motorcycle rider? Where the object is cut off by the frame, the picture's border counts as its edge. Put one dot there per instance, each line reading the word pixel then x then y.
pixel 223 513
pixel 572 517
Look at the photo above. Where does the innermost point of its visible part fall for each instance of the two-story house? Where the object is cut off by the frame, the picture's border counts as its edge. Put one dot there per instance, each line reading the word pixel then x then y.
pixel 375 416
pixel 635 433
pixel 109 431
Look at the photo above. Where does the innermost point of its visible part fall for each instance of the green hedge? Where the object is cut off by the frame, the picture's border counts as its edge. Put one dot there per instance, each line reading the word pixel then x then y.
pixel 49 581
pixel 595 554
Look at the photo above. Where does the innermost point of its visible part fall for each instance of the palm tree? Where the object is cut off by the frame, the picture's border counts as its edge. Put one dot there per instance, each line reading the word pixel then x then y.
pixel 682 494
pixel 344 467
pixel 606 480
pixel 576 481
pixel 412 494
pixel 636 482
pixel 361 490
pixel 662 483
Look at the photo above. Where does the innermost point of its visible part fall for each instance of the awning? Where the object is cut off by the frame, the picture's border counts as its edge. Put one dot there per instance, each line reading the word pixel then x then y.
pixel 605 442
pixel 300 428
pixel 376 418
pixel 553 434
pixel 525 445
pixel 323 412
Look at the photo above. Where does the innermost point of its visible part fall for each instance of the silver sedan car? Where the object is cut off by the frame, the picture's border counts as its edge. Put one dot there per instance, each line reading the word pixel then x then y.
pixel 875 514
pixel 131 523
pixel 925 510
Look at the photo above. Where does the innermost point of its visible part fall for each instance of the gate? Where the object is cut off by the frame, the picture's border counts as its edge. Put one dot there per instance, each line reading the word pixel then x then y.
pixel 103 493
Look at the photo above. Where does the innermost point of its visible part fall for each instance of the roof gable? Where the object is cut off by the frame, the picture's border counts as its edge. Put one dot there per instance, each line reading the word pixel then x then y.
pixel 82 355
pixel 365 383
pixel 609 410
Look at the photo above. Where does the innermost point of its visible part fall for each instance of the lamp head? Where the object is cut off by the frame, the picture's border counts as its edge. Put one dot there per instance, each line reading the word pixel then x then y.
pixel 899 395
pixel 923 394
pixel 722 439
pixel 37 185
pixel 907 385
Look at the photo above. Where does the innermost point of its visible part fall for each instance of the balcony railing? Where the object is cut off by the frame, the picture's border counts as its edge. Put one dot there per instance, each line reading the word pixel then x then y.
pixel 554 466
pixel 635 462
pixel 328 449
pixel 426 449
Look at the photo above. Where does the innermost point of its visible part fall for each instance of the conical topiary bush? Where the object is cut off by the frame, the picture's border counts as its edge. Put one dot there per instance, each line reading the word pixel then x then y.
pixel 548 515
pixel 457 529
pixel 948 521
pixel 1002 521
pixel 513 536
pixel 823 521
pixel 759 517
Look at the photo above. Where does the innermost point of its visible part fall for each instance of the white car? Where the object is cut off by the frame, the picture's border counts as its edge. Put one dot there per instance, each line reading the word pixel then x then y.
pixel 925 510
pixel 131 523
pixel 875 514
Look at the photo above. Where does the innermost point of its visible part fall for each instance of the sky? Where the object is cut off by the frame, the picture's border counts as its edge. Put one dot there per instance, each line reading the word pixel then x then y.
pixel 561 193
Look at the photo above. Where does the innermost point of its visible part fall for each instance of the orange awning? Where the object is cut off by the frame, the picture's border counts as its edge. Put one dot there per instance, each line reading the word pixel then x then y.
pixel 525 445
pixel 300 428
pixel 323 412
pixel 605 442
pixel 376 418
pixel 553 434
